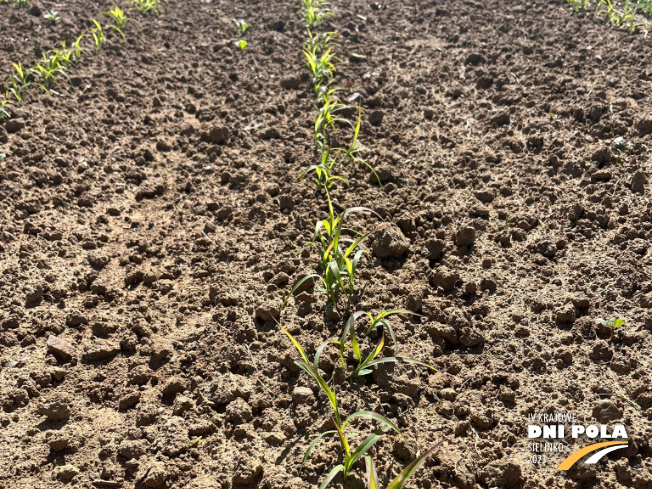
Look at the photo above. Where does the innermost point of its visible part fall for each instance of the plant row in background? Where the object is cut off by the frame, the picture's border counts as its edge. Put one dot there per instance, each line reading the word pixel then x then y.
pixel 628 14
pixel 338 244
pixel 142 5
pixel 60 62
pixel 320 60
pixel 52 16
pixel 18 3
pixel 340 250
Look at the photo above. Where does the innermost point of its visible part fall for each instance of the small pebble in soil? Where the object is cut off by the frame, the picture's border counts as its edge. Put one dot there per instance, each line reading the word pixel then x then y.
pixel 55 407
pixel 156 475
pixel 303 395
pixel 605 411
pixel 465 237
pixel 66 472
pixel 60 348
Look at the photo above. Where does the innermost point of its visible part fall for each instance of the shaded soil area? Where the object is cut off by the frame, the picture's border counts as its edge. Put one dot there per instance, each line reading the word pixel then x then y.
pixel 151 223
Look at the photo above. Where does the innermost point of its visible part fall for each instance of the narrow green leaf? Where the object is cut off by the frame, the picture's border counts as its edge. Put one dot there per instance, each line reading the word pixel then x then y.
pixel 354 245
pixel 363 448
pixel 358 209
pixel 345 333
pixel 313 167
pixel 389 312
pixel 323 385
pixel 318 354
pixel 370 358
pixel 295 343
pixel 373 416
pixel 315 441
pixel 298 284
pixel 390 330
pixel 407 472
pixel 336 273
pixel 349 266
pixel 360 160
pixel 331 475
pixel 372 475
pixel 118 30
pixel 355 346
pixel 356 258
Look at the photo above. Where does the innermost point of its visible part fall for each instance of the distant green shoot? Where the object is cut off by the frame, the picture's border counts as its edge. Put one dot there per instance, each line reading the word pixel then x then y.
pixel 146 6
pixel 19 82
pixel 241 25
pixel 4 113
pixel 119 18
pixel 52 16
pixel 98 34
pixel 612 323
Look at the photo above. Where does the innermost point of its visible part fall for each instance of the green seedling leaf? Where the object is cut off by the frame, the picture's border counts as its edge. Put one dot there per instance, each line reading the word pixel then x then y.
pixel 612 323
pixel 331 475
pixel 368 361
pixel 118 30
pixel 241 25
pixel 148 5
pixel 373 416
pixel 363 448
pixel 295 343
pixel 323 385
pixel 380 320
pixel 348 327
pixel 345 445
pixel 52 16
pixel 315 441
pixel 304 364
pixel 335 270
pixel 408 471
pixel 319 352
pixel 348 211
pixel 192 443
pixel 372 475
pixel 299 284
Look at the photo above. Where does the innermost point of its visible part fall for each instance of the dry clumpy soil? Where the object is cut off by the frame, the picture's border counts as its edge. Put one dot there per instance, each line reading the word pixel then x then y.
pixel 150 218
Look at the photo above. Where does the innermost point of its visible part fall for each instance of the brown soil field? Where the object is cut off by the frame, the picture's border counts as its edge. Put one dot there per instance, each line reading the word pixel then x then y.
pixel 152 221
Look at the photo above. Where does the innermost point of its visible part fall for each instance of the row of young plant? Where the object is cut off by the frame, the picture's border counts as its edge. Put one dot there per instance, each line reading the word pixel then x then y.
pixel 60 62
pixel 142 5
pixel 52 16
pixel 340 250
pixel 624 15
pixel 17 3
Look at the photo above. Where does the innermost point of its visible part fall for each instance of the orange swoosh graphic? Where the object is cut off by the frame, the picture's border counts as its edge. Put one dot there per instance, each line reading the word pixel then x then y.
pixel 578 454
